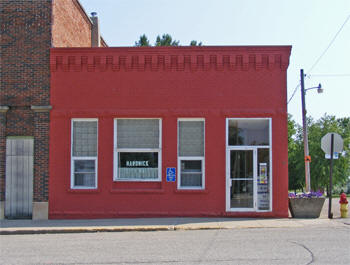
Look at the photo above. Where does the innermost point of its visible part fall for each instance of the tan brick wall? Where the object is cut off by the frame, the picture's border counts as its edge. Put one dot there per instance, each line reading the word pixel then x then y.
pixel 71 27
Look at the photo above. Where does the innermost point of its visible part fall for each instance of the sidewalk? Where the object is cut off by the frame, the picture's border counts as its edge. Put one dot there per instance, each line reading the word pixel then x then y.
pixel 165 224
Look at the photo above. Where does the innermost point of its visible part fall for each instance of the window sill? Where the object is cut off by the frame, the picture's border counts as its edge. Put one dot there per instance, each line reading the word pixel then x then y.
pixel 191 191
pixel 84 191
pixel 137 180
pixel 140 191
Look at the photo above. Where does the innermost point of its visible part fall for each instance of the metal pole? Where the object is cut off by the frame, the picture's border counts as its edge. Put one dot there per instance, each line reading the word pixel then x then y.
pixel 330 214
pixel 306 142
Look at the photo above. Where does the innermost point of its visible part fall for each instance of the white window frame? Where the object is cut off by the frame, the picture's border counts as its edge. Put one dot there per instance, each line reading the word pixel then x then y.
pixel 116 151
pixel 73 158
pixel 255 151
pixel 196 158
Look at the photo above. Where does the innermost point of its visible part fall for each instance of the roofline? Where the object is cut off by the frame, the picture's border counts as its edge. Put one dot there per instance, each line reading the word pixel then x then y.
pixel 86 16
pixel 251 48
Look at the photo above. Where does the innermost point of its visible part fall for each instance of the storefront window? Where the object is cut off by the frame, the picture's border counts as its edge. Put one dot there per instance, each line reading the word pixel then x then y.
pixel 137 149
pixel 191 153
pixel 142 165
pixel 263 181
pixel 84 153
pixel 248 132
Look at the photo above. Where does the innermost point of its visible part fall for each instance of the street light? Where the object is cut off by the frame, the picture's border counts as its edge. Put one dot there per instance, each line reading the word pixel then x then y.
pixel 307 158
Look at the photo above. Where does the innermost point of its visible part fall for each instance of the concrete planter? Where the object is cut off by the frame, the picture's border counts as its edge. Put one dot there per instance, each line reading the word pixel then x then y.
pixel 306 207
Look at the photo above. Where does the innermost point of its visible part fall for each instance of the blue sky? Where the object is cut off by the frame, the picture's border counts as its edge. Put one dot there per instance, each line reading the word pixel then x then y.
pixel 308 25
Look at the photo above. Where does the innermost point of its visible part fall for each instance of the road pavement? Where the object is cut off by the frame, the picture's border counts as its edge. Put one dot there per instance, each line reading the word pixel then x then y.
pixel 291 245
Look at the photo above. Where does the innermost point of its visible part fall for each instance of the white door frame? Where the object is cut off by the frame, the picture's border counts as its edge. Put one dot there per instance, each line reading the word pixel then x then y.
pixel 255 156
pixel 228 179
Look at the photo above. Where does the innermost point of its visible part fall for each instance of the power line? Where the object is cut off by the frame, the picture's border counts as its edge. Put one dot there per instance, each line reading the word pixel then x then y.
pixel 295 90
pixel 329 45
pixel 319 58
pixel 330 75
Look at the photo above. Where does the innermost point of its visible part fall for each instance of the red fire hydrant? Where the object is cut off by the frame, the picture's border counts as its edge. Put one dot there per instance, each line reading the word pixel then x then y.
pixel 343 206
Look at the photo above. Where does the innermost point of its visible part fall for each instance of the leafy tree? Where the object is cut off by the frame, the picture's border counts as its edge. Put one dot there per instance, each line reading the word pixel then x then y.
pixel 194 43
pixel 295 155
pixel 165 40
pixel 143 41
pixel 319 166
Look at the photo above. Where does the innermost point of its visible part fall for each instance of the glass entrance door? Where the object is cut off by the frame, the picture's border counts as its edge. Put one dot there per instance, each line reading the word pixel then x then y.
pixel 242 179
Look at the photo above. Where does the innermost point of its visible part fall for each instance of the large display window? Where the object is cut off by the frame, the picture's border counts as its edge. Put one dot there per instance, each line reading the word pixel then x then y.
pixel 137 150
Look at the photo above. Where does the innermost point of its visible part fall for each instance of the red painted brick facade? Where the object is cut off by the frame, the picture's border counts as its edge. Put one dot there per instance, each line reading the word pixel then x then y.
pixel 214 83
pixel 28 30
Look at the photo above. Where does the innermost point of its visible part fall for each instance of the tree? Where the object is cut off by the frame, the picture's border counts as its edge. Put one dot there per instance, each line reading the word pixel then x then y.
pixel 165 40
pixel 295 155
pixel 194 43
pixel 143 41
pixel 319 166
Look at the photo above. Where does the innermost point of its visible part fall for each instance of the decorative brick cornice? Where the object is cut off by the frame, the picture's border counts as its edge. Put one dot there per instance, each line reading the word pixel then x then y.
pixel 41 108
pixel 4 109
pixel 170 59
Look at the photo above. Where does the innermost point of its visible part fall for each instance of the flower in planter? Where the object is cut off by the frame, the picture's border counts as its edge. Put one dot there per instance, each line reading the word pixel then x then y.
pixel 312 194
pixel 306 204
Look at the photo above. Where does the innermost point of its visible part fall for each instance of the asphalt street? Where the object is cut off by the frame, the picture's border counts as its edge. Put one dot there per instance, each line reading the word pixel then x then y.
pixel 305 245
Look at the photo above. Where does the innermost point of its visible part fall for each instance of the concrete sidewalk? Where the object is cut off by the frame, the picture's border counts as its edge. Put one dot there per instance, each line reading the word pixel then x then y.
pixel 166 224
pixel 157 224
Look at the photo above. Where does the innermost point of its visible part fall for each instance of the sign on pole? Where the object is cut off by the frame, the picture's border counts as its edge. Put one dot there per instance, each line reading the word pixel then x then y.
pixel 331 144
pixel 335 156
pixel 326 143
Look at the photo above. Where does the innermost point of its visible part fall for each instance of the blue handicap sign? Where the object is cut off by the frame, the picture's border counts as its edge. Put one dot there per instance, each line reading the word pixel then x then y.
pixel 170 174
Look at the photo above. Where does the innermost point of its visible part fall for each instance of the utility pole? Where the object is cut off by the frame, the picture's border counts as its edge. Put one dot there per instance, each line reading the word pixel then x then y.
pixel 306 142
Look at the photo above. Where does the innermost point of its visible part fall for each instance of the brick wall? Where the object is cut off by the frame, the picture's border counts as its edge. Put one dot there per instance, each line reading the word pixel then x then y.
pixel 71 26
pixel 41 161
pixel 25 44
pixel 25 79
pixel 28 29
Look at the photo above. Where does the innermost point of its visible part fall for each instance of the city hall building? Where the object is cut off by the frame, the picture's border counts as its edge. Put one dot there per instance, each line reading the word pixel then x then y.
pixel 168 131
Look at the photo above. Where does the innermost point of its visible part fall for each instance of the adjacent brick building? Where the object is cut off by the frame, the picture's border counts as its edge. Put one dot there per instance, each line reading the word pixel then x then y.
pixel 28 30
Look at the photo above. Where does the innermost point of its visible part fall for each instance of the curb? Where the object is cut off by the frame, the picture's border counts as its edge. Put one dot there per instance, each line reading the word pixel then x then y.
pixel 72 230
pixel 298 223
pixel 29 231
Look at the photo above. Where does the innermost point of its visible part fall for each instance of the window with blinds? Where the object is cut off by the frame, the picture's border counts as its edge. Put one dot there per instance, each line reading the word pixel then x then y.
pixel 84 153
pixel 191 153
pixel 137 149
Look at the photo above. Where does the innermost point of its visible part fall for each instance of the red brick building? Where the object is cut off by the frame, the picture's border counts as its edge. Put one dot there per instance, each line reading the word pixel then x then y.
pixel 169 131
pixel 28 30
pixel 125 132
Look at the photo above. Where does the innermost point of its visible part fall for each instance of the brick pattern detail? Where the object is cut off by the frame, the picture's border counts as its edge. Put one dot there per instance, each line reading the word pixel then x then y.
pixel 41 154
pixel 25 42
pixel 168 59
pixel 19 122
pixel 2 154
pixel 71 27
